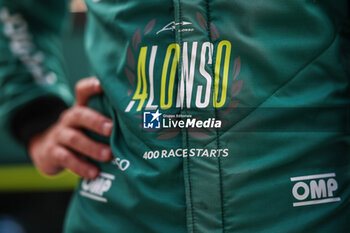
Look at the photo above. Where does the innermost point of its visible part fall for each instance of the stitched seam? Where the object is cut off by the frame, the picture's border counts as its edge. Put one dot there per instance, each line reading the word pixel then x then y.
pixel 179 33
pixel 216 117
pixel 285 83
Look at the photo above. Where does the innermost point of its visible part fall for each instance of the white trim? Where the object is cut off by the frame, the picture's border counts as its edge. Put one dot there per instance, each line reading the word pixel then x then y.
pixel 311 177
pixel 91 196
pixel 106 175
pixel 328 200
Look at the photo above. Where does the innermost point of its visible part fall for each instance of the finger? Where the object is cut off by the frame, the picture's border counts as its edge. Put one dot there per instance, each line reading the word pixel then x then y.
pixel 86 88
pixel 84 117
pixel 76 140
pixel 69 160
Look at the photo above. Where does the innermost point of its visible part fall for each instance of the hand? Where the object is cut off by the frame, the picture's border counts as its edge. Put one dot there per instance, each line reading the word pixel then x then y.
pixel 64 145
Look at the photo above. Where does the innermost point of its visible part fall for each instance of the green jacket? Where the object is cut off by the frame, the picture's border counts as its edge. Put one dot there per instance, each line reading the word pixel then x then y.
pixel 32 75
pixel 261 95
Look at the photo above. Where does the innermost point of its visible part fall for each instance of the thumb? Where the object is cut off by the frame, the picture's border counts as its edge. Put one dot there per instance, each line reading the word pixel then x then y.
pixel 86 88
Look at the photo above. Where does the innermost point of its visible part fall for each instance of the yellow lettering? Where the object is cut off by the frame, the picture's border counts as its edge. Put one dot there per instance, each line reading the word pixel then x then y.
pixel 222 101
pixel 141 89
pixel 176 48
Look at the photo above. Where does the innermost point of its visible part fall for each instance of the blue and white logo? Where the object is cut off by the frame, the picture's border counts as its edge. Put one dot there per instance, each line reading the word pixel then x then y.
pixel 151 120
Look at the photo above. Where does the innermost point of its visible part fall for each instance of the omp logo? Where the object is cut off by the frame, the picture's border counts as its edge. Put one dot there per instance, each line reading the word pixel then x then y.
pixel 94 189
pixel 172 25
pixel 314 189
pixel 151 120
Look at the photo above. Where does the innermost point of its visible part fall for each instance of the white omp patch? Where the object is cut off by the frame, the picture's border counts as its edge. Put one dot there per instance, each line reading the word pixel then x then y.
pixel 22 46
pixel 314 189
pixel 94 189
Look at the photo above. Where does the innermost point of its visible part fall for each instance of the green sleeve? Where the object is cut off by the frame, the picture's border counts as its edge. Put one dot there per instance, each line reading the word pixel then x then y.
pixel 31 63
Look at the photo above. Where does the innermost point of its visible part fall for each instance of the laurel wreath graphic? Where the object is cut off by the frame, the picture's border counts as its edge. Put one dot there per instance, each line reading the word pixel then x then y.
pixel 130 72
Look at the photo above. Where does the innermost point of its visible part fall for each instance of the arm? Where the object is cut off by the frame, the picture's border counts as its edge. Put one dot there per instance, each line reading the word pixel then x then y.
pixel 34 96
pixel 32 78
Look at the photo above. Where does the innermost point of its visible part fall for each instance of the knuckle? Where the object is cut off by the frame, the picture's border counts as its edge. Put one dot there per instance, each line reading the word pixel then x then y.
pixel 59 135
pixel 68 115
pixel 95 150
pixel 62 135
pixel 50 149
pixel 96 121
pixel 73 138
pixel 63 158
pixel 77 112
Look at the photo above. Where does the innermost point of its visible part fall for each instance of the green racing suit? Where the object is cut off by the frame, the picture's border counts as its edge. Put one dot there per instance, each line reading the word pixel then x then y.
pixel 230 116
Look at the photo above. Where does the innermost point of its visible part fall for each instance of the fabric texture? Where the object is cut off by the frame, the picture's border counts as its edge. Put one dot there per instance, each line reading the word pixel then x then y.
pixel 33 83
pixel 274 73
